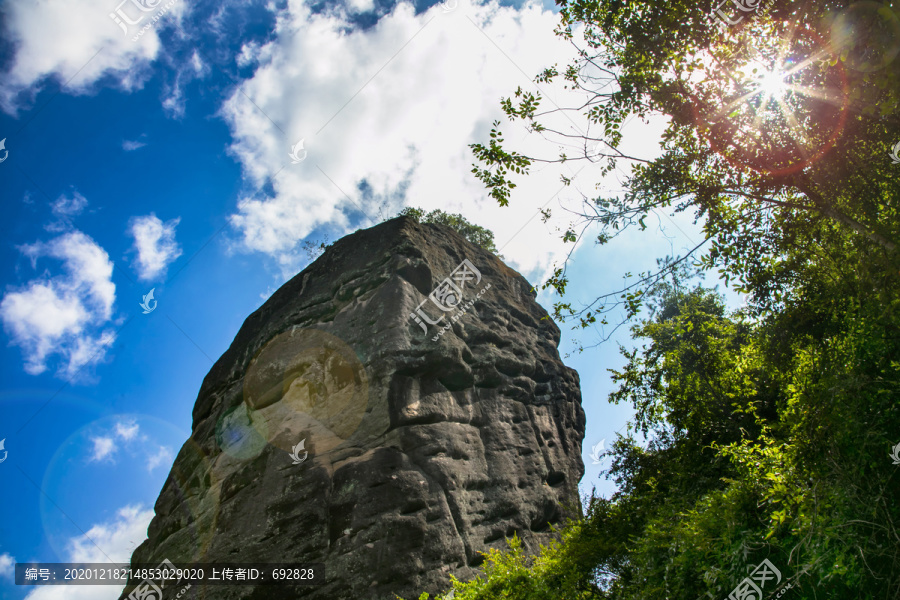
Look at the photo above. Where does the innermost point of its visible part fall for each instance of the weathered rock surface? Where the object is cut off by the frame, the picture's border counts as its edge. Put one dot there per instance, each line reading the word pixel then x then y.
pixel 423 449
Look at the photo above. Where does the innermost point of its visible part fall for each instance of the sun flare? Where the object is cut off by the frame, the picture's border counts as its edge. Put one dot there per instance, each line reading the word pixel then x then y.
pixel 779 110
pixel 772 84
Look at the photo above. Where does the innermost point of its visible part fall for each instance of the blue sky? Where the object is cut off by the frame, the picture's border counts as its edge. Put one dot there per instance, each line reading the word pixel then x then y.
pixel 163 163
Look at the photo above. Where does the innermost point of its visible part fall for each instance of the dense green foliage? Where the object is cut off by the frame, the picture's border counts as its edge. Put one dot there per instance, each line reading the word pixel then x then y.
pixel 767 439
pixel 474 233
pixel 770 440
pixel 764 433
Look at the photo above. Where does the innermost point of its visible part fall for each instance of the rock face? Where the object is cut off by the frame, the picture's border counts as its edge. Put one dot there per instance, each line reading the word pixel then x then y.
pixel 423 444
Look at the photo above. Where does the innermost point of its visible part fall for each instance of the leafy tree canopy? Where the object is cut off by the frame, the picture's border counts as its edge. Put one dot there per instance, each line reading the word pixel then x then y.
pixel 476 234
pixel 779 134
pixel 763 433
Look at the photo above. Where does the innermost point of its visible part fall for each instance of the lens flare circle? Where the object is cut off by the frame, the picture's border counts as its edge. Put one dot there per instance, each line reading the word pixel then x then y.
pixel 75 462
pixel 306 384
pixel 239 435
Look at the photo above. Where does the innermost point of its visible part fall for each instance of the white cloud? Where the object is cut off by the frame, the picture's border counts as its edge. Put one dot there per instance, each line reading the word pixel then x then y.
pixel 163 455
pixel 7 565
pixel 113 541
pixel 127 430
pixel 77 43
pixel 66 206
pixel 63 314
pixel 197 63
pixel 361 6
pixel 154 241
pixel 407 129
pixel 64 209
pixel 104 447
pixel 175 102
pixel 132 145
pixel 248 54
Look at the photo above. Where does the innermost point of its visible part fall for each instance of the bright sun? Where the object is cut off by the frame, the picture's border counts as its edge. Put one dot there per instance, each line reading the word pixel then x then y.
pixel 766 79
pixel 779 109
pixel 772 84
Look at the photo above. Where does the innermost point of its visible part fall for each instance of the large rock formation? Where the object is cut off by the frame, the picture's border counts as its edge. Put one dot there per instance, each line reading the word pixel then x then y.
pixel 425 444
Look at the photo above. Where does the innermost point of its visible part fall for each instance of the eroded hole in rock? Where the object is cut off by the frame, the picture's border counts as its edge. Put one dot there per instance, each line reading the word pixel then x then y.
pixel 555 478
pixel 550 514
pixel 493 536
pixel 340 516
pixel 413 506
